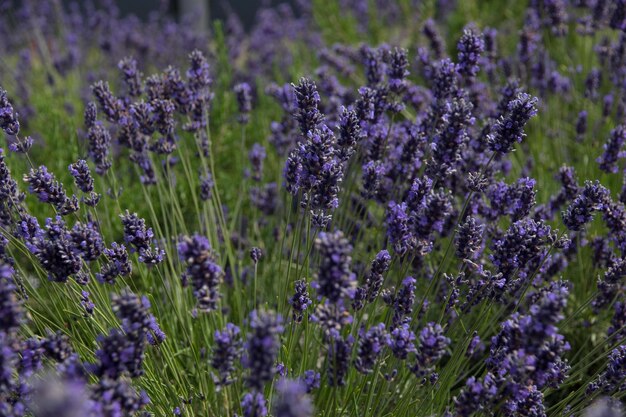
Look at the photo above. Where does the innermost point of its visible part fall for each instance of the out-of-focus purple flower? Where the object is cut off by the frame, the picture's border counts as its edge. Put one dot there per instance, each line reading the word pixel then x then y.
pixel 592 83
pixel 243 92
pixel 338 360
pixel 470 47
pixel 401 341
pixel 53 396
pixel 436 42
pixel 111 106
pixel 206 186
pixel 605 407
pixel 613 150
pixel 255 255
pixel 476 395
pixel 227 350
pixel 262 348
pixel 253 405
pixel 257 155
pixel 432 347
pixel 510 128
pixel 265 198
pixel 131 76
pixel 11 313
pixel 99 140
pixel 445 80
pixel 371 344
pixel 292 400
pixel 202 270
pixel 335 280
pixel 8 117
pixel 311 380
pixel 397 70
pixel 198 74
pixel 581 125
pixel 372 61
pixel 22 145
pixel 373 172
pixel 607 105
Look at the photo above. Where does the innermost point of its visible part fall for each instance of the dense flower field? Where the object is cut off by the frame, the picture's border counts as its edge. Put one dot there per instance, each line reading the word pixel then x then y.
pixel 353 208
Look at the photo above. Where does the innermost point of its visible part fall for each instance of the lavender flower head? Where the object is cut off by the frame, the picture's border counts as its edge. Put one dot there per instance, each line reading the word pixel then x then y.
pixel 338 360
pixel 470 47
pixel 140 237
pixel 335 280
pixel 131 75
pixel 262 348
pixel 202 270
pixel 469 238
pixel 44 184
pixel 206 186
pixel 55 250
pixel 371 344
pixel 253 405
pixel 243 93
pixel 256 254
pixel 99 140
pixel 300 301
pixel 374 280
pixel 82 176
pixel 510 128
pixel 11 313
pixel 257 155
pixel 403 302
pixel 432 347
pixel 613 150
pixel 397 70
pixel 594 197
pixel 401 341
pixel 308 99
pixel 118 264
pixel 227 350
pixel 292 400
pixel 8 118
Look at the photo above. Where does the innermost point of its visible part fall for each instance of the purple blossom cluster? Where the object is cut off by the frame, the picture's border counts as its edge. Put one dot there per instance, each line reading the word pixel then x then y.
pixel 417 255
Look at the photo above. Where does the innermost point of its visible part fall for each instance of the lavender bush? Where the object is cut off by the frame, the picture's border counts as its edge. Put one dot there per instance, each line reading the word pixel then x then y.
pixel 368 208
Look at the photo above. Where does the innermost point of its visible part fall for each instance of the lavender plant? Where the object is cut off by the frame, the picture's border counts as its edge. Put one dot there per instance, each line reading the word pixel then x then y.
pixel 426 217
